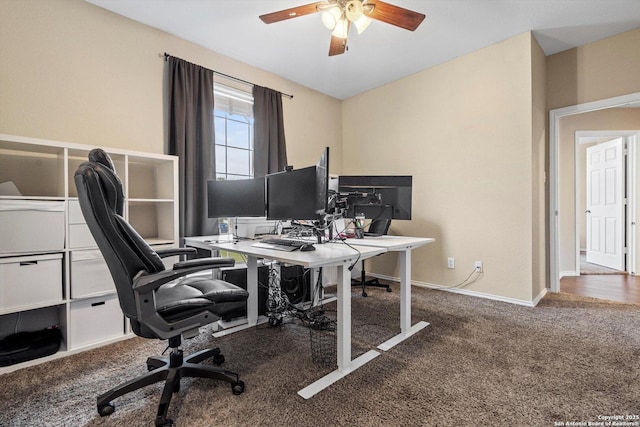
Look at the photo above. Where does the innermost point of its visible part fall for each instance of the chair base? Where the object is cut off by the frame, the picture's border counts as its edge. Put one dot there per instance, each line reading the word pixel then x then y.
pixel 371 282
pixel 171 369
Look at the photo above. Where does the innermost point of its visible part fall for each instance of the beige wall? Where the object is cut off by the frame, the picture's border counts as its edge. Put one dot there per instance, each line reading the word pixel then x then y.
pixel 464 130
pixel 603 120
pixel 74 72
pixel 538 140
pixel 595 71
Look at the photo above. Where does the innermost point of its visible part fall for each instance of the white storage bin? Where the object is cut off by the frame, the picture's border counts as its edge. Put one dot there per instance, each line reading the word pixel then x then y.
pixel 89 274
pixel 94 320
pixel 30 281
pixel 80 237
pixel 79 234
pixel 31 226
pixel 75 213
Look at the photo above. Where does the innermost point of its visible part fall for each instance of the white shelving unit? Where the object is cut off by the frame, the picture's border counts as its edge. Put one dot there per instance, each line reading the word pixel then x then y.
pixel 51 271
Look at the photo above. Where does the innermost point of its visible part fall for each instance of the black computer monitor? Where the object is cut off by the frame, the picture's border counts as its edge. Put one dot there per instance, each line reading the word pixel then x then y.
pixel 377 196
pixel 241 197
pixel 300 193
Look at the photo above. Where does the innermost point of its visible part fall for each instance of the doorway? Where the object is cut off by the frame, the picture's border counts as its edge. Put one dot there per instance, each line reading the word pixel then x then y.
pixel 554 205
pixel 604 197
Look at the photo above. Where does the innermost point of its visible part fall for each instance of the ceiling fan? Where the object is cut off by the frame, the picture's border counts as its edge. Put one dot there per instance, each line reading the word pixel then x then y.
pixel 338 15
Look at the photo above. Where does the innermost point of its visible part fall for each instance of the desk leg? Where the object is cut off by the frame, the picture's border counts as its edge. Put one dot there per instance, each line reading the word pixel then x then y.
pixel 316 294
pixel 252 288
pixel 345 364
pixel 406 330
pixel 344 318
pixel 405 290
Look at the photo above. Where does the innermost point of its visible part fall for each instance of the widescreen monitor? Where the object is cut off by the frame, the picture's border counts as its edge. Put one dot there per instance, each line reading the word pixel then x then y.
pixel 377 196
pixel 232 198
pixel 299 194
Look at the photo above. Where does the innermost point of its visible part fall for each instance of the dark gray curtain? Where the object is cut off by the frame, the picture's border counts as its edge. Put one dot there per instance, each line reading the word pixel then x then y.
pixel 190 93
pixel 270 153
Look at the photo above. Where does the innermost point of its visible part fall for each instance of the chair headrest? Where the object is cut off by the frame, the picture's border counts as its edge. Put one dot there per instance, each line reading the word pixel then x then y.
pixel 100 163
pixel 98 155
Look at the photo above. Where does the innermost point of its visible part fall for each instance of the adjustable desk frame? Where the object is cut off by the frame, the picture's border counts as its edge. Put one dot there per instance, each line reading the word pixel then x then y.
pixel 403 246
pixel 341 256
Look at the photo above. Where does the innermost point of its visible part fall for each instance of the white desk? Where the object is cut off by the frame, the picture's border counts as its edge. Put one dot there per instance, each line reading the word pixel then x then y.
pixel 325 255
pixel 404 246
pixel 341 256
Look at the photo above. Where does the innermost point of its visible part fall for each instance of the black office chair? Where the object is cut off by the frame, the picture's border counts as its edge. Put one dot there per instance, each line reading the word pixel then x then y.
pixel 160 303
pixel 378 227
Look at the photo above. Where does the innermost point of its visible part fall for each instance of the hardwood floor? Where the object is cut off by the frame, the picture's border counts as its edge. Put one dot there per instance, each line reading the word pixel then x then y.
pixel 614 287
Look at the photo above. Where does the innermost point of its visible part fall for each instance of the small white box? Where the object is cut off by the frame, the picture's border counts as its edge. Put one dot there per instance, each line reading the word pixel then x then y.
pixel 89 274
pixel 249 227
pixel 94 320
pixel 75 213
pixel 31 226
pixel 79 234
pixel 30 281
pixel 80 237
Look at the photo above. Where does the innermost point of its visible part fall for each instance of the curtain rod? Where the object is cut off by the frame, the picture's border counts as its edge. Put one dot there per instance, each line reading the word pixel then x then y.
pixel 166 56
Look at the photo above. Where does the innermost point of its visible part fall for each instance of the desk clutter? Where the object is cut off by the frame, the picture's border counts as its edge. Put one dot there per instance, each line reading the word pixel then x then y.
pixel 284 296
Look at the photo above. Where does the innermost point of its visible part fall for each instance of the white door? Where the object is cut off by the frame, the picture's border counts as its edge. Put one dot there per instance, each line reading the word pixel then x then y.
pixel 605 204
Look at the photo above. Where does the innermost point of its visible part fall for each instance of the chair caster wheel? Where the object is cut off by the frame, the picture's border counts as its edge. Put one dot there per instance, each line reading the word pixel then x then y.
pixel 238 387
pixel 106 410
pixel 364 294
pixel 218 359
pixel 388 289
pixel 165 423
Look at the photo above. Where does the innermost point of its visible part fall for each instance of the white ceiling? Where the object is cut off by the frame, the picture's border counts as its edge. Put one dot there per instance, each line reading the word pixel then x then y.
pixel 297 49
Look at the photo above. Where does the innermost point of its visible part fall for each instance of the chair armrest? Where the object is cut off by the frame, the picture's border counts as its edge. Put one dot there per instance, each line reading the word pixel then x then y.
pixel 205 262
pixel 163 253
pixel 144 282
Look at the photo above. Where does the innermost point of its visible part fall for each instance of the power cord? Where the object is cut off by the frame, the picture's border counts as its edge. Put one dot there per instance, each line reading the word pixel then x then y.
pixel 466 281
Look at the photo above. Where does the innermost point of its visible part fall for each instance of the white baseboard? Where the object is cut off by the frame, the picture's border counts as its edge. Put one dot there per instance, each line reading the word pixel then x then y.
pixel 540 296
pixel 467 292
pixel 569 274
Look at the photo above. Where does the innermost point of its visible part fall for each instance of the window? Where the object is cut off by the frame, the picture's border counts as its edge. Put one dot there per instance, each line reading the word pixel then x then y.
pixel 233 121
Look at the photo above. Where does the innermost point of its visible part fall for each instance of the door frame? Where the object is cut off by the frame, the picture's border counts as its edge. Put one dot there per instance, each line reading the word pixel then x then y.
pixel 554 136
pixel 629 140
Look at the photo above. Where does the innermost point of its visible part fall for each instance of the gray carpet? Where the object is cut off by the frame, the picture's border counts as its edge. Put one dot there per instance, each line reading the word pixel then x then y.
pixel 479 363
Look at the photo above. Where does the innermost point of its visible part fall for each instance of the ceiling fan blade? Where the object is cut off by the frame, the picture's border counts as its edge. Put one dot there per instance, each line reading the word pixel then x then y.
pixel 394 15
pixel 338 46
pixel 294 12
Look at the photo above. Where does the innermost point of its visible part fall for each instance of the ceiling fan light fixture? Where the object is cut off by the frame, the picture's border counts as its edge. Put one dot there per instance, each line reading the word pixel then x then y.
pixel 342 29
pixel 353 10
pixel 362 23
pixel 331 16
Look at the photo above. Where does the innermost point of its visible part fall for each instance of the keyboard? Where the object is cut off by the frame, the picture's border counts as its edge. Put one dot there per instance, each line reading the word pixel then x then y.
pixel 281 244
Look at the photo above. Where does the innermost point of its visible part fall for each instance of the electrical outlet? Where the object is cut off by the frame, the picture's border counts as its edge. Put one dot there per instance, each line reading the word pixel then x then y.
pixel 451 263
pixel 477 267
